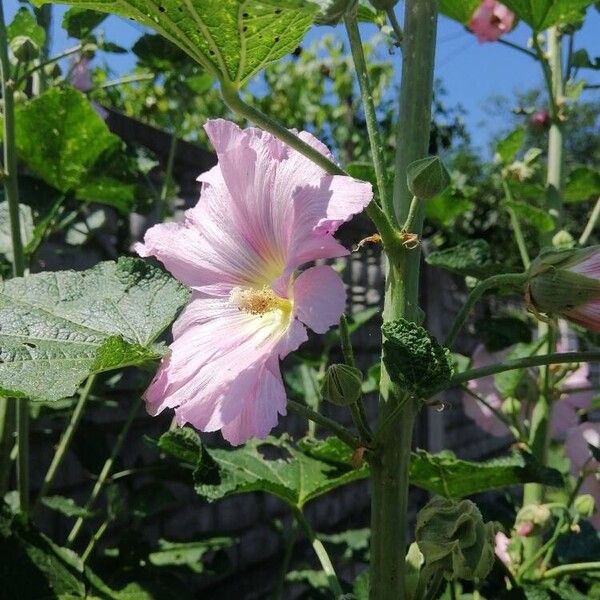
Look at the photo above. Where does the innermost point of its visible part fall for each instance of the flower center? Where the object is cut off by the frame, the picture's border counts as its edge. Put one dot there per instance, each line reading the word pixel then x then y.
pixel 259 301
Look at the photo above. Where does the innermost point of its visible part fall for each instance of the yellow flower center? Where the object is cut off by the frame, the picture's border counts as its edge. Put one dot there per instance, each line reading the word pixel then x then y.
pixel 259 301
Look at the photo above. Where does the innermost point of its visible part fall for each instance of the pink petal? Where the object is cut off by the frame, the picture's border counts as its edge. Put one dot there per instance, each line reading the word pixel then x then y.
pixel 319 298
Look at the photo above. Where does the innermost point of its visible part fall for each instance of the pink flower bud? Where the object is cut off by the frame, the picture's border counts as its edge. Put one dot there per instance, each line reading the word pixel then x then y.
pixel 540 119
pixel 566 283
pixel 525 528
pixel 491 20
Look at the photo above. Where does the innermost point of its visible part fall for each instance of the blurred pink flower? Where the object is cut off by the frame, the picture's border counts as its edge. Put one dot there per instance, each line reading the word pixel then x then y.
pixel 265 210
pixel 81 79
pixel 540 119
pixel 564 411
pixel 485 388
pixel 491 20
pixel 577 449
pixel 501 543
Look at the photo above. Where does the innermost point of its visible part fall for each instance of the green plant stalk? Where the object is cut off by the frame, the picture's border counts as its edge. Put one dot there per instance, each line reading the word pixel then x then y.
pixel 389 236
pixel 390 465
pixel 106 469
pixel 95 539
pixel 289 542
pixel 533 493
pixel 391 14
pixel 514 221
pixel 366 91
pixel 571 569
pixel 65 440
pixel 518 48
pixel 321 553
pixel 412 214
pixel 43 15
pixel 7 428
pixel 163 207
pixel 49 61
pixel 325 422
pixel 591 224
pixel 11 188
pixel 505 280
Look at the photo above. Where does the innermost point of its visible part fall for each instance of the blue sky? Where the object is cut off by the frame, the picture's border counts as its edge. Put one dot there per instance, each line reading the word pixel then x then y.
pixel 470 72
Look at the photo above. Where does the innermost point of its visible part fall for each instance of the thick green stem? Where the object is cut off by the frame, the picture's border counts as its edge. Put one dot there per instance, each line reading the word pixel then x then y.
pixel 321 553
pixel 370 115
pixel 65 440
pixel 571 569
pixel 533 493
pixel 591 224
pixel 11 188
pixel 106 469
pixel 390 465
pixel 506 280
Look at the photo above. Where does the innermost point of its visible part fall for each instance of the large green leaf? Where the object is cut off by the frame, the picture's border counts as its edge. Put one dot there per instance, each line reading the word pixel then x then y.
pixel 233 39
pixel 541 14
pixel 448 476
pixel 60 137
pixel 25 24
pixel 471 257
pixel 306 471
pixel 583 183
pixel 188 554
pixel 509 146
pixel 537 217
pixel 57 328
pixel 459 10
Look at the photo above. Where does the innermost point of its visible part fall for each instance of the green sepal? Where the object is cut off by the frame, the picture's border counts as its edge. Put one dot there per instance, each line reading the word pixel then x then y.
pixel 427 177
pixel 342 384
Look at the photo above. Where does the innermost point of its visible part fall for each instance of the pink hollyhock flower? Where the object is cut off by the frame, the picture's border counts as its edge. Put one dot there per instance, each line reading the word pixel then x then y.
pixel 566 283
pixel 485 388
pixel 540 119
pixel 577 449
pixel 81 79
pixel 501 543
pixel 491 20
pixel 264 211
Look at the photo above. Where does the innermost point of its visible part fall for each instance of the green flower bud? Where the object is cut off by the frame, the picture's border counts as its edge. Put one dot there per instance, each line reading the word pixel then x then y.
pixel 584 506
pixel 342 384
pixel 24 48
pixel 53 70
pixel 511 407
pixel 532 519
pixel 332 11
pixel 383 4
pixel 567 283
pixel 454 539
pixel 427 177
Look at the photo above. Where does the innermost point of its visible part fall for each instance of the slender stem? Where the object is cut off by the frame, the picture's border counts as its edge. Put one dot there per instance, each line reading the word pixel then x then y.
pixel 412 214
pixel 345 342
pixel 390 465
pixel 126 79
pixel 321 553
pixel 518 48
pixel 543 59
pixel 516 225
pixel 106 469
pixel 434 586
pixel 519 363
pixel 325 422
pixel 11 189
pixel 95 539
pixel 65 440
pixel 289 542
pixel 391 13
pixel 168 176
pixel 237 105
pixel 591 224
pixel 366 91
pixel 570 569
pixel 41 65
pixel 508 279
pixel 539 551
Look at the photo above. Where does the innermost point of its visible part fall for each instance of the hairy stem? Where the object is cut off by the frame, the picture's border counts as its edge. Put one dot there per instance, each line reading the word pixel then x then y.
pixel 390 465
pixel 591 224
pixel 321 553
pixel 571 569
pixel 506 280
pixel 65 440
pixel 106 469
pixel 369 107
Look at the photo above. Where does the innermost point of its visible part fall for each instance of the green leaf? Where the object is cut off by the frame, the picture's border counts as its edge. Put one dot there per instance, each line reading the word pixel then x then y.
pixel 508 147
pixel 6 247
pixel 459 10
pixel 32 566
pixel 183 444
pixel 306 471
pixel 541 14
pixel 414 359
pixel 158 53
pixel 446 207
pixel 57 328
pixel 315 579
pixel 470 258
pixel 448 476
pixel 25 24
pixel 188 554
pixel 233 39
pixel 583 183
pixel 353 542
pixel 507 383
pixel 80 22
pixel 537 217
pixel 66 506
pixel 60 137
